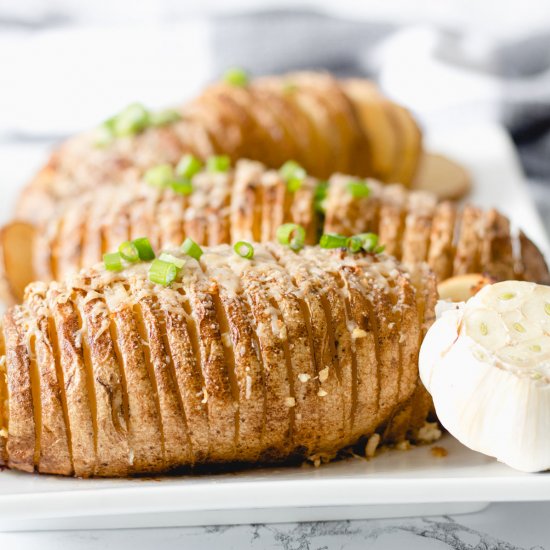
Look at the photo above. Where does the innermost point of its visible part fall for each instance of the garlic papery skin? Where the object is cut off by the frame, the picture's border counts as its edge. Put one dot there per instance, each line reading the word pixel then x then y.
pixel 486 365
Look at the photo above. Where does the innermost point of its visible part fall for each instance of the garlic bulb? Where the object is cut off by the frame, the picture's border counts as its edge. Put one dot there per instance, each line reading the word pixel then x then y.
pixel 486 364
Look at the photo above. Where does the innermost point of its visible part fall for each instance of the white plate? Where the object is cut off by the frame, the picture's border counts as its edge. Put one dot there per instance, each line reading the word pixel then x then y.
pixel 394 484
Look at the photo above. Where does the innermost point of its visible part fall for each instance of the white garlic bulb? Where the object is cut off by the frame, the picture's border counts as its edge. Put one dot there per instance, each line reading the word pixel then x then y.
pixel 486 364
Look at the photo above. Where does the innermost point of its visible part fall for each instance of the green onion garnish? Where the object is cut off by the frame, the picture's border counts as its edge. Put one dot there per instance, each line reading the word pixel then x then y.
pixel 354 244
pixel 236 77
pixel 358 189
pixel 218 163
pixel 162 273
pixel 162 118
pixel 132 120
pixel 159 176
pixel 144 248
pixel 293 174
pixel 369 241
pixel 188 166
pixel 171 259
pixel 244 249
pixel 292 235
pixel 182 186
pixel 129 251
pixel 112 261
pixel 191 248
pixel 320 196
pixel 380 249
pixel 331 240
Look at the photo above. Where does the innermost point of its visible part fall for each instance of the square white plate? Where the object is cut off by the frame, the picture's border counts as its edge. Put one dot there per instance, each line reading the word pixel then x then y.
pixel 394 484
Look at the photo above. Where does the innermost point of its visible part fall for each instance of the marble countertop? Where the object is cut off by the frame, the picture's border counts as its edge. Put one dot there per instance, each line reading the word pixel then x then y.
pixel 499 527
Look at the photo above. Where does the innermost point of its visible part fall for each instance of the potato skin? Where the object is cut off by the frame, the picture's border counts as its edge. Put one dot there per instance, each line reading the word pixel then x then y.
pixel 238 361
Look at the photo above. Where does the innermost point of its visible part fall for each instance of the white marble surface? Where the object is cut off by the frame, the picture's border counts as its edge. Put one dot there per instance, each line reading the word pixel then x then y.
pixel 499 527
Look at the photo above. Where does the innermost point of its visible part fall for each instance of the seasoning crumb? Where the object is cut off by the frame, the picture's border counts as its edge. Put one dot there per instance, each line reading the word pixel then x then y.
pixel 439 452
pixel 290 402
pixel 322 393
pixel 323 374
pixel 303 377
pixel 403 445
pixel 372 444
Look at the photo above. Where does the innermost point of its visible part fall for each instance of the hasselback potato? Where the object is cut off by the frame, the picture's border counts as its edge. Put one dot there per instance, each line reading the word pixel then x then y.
pixel 326 125
pixel 281 356
pixel 250 203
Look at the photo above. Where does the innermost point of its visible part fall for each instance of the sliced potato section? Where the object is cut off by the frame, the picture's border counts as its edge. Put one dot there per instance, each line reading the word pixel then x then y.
pixel 17 241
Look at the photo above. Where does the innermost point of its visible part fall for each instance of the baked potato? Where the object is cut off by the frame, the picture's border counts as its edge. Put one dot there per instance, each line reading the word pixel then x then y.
pixel 250 203
pixel 325 124
pixel 279 357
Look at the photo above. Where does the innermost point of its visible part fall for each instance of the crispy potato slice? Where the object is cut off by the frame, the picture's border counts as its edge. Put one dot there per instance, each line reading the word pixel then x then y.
pixel 144 427
pixel 349 215
pixel 80 402
pixel 496 255
pixel 17 242
pixel 21 426
pixel 337 316
pixel 462 287
pixel 55 456
pixel 380 137
pixel 468 246
pixel 345 133
pixel 418 222
pixel 293 336
pixel 441 252
pixel 410 140
pixel 242 354
pixel 104 374
pixel 392 219
pixel 318 319
pixel 217 392
pixel 174 433
pixel 246 202
pixel 183 339
pixel 442 176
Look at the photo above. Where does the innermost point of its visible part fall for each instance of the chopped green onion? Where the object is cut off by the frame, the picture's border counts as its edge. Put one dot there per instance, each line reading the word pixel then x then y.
pixel 244 249
pixel 162 273
pixel 289 87
pixel 292 235
pixel 182 186
pixel 188 166
pixel 105 134
pixel 369 241
pixel 191 248
pixel 132 120
pixel 144 248
pixel 358 189
pixel 330 240
pixel 162 118
pixel 171 259
pixel 218 163
pixel 320 195
pixel 293 174
pixel 129 251
pixel 112 261
pixel 159 176
pixel 380 249
pixel 236 77
pixel 354 244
